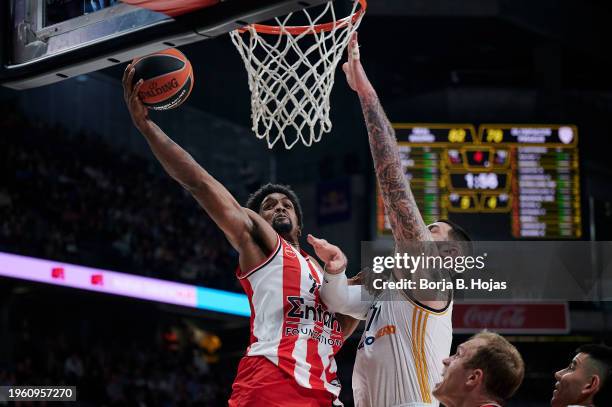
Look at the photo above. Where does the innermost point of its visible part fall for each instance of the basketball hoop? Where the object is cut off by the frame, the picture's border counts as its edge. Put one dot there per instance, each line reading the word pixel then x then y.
pixel 291 71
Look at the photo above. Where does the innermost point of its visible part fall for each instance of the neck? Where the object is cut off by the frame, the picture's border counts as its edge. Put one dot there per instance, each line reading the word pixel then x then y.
pixel 292 240
pixel 474 402
pixel 485 402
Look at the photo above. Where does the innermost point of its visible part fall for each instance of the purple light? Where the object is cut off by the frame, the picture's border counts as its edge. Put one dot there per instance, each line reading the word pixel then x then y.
pixel 110 282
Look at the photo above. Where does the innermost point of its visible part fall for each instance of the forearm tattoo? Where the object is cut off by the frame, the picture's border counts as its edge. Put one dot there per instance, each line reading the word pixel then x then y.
pixel 404 216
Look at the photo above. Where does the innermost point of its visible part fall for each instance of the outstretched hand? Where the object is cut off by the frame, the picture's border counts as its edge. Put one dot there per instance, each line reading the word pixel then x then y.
pixel 138 111
pixel 335 261
pixel 355 75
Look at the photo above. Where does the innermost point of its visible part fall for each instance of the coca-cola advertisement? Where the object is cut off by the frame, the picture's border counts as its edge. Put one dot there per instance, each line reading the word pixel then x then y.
pixel 511 318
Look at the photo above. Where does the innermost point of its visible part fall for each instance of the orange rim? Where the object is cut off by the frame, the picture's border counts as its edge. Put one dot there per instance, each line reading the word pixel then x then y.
pixel 301 29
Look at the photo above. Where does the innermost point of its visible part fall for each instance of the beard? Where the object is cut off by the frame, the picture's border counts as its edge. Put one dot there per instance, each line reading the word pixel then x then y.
pixel 282 226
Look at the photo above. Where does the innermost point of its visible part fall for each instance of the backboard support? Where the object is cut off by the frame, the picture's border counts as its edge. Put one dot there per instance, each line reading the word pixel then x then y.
pixel 38 50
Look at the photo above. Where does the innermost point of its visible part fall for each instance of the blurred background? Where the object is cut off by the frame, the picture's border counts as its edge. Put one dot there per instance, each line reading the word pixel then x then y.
pixel 78 185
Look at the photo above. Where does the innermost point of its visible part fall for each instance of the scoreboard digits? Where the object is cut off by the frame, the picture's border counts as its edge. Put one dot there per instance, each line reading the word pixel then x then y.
pixel 526 173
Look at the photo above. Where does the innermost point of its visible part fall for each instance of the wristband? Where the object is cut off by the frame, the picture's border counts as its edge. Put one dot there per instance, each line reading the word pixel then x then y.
pixel 332 275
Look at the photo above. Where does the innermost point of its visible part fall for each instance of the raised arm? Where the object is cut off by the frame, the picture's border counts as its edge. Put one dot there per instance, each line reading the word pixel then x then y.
pixel 236 222
pixel 407 224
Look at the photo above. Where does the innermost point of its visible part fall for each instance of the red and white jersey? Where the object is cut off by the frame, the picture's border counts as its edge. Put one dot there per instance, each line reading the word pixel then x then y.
pixel 290 325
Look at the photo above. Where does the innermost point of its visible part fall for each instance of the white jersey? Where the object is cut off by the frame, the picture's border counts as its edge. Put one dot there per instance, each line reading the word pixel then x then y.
pixel 399 357
pixel 290 326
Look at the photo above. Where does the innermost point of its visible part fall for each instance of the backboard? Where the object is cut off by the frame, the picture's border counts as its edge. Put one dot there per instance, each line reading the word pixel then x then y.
pixel 48 41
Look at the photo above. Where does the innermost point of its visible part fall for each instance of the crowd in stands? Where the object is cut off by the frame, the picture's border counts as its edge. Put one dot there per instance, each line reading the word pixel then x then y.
pixel 131 361
pixel 116 376
pixel 76 199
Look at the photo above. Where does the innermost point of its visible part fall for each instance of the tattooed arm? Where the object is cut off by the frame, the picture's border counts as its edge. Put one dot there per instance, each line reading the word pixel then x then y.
pixel 406 221
pixel 407 225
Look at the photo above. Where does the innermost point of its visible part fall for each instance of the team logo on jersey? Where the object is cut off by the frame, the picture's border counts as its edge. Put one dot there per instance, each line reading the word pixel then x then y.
pixel 369 340
pixel 326 329
pixel 315 286
pixel 289 252
pixel 312 311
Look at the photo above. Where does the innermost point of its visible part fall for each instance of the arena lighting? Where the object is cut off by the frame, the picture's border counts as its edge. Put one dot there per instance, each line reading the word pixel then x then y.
pixel 126 285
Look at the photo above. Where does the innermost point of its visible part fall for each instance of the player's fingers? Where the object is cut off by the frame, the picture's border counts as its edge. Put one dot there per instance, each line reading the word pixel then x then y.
pixel 312 240
pixel 130 78
pixel 354 51
pixel 353 40
pixel 349 49
pixel 134 96
pixel 356 279
pixel 136 93
pixel 129 74
pixel 128 85
pixel 125 72
pixel 124 82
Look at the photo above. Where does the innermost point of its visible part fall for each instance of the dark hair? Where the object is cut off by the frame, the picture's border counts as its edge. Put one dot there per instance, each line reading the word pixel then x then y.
pixel 257 197
pixel 602 355
pixel 457 232
pixel 501 363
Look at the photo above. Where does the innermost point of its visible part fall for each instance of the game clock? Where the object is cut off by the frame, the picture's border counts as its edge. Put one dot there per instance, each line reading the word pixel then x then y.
pixel 528 174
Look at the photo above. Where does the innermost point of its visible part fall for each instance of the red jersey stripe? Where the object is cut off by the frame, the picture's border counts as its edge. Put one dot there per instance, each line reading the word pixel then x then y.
pixel 312 351
pixel 246 285
pixel 291 288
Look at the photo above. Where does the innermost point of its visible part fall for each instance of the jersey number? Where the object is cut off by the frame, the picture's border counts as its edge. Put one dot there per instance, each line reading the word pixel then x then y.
pixel 374 315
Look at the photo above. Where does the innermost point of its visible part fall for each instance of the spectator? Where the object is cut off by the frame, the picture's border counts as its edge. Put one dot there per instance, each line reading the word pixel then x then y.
pixel 78 208
pixel 73 368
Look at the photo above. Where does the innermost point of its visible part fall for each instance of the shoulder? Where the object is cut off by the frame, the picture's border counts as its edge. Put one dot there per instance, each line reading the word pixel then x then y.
pixel 259 227
pixel 431 307
pixel 252 214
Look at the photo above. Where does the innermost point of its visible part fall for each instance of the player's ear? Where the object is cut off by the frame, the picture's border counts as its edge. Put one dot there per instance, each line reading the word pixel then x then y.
pixel 592 386
pixel 475 378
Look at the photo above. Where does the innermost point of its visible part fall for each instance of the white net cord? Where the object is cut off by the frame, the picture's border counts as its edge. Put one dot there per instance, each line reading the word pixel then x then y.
pixel 291 76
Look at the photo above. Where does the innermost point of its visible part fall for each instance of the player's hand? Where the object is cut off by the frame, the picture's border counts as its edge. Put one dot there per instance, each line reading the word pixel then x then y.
pixel 335 261
pixel 355 75
pixel 356 279
pixel 138 111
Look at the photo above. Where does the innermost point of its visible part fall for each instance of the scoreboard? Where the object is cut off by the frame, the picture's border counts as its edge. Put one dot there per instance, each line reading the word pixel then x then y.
pixel 522 178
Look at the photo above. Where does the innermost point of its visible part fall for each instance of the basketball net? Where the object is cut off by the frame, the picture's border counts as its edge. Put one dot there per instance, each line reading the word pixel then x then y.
pixel 291 71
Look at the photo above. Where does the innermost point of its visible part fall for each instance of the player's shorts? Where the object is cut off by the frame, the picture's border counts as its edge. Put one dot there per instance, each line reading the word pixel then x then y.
pixel 260 383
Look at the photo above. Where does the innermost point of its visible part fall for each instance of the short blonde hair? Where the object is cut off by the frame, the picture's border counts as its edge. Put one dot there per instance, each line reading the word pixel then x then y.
pixel 501 363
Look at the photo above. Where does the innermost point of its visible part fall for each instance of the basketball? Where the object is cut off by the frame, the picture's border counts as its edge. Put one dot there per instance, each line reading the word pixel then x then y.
pixel 168 79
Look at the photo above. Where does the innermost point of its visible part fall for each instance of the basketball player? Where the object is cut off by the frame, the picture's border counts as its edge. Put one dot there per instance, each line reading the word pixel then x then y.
pixel 587 381
pixel 405 339
pixel 290 359
pixel 485 371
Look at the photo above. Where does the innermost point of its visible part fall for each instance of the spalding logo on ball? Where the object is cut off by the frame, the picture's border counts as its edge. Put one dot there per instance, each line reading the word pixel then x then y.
pixel 168 79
